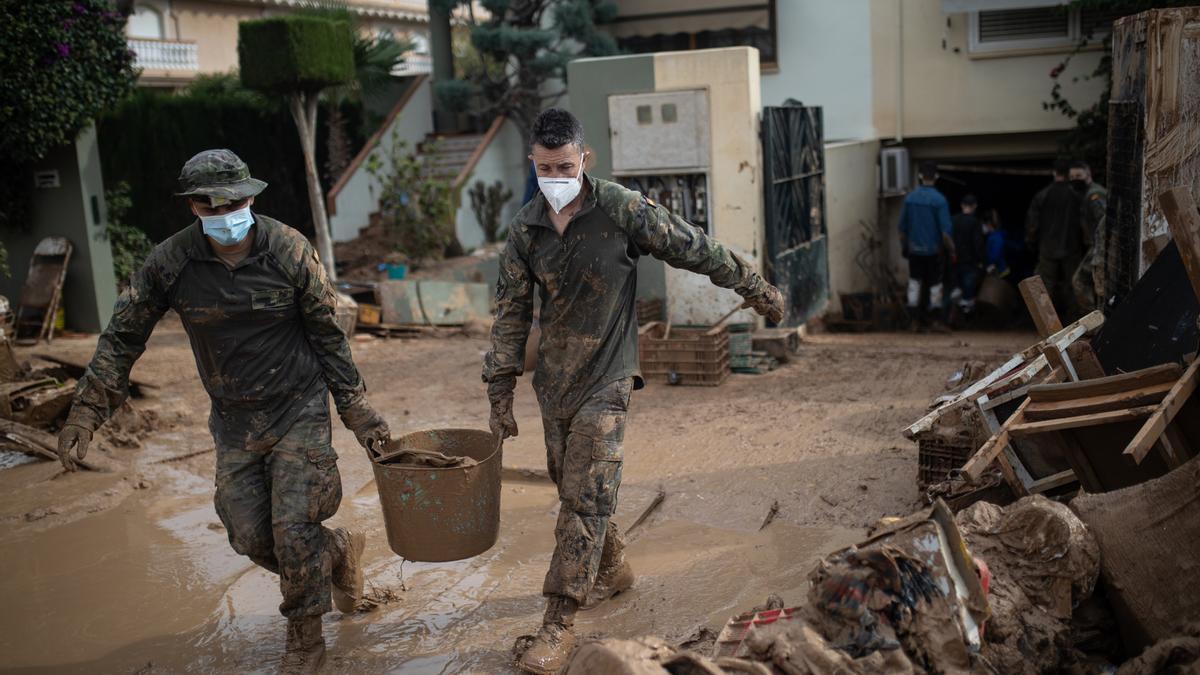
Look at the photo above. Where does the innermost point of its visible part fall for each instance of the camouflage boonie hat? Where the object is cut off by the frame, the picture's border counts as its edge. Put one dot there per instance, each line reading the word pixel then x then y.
pixel 219 175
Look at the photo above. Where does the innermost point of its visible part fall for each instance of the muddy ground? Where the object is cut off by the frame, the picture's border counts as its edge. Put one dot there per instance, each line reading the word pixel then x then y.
pixel 130 570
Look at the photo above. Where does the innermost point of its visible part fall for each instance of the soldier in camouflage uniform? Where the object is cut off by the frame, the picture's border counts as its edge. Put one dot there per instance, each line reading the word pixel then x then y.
pixel 579 240
pixel 1088 281
pixel 258 309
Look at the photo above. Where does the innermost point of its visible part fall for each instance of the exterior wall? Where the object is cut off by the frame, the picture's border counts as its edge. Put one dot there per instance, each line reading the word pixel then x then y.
pixel 824 59
pixel 351 207
pixel 502 160
pixel 74 210
pixel 946 91
pixel 735 189
pixel 851 198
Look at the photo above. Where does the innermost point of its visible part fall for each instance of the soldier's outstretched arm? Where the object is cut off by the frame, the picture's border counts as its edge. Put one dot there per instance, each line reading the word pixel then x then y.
pixel 510 332
pixel 318 308
pixel 105 384
pixel 680 244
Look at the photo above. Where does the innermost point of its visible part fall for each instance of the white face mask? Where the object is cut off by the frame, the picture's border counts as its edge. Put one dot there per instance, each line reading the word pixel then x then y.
pixel 561 191
pixel 228 228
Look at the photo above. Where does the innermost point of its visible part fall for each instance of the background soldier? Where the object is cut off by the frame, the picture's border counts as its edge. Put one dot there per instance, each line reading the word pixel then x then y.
pixel 259 312
pixel 1052 229
pixel 1088 281
pixel 579 240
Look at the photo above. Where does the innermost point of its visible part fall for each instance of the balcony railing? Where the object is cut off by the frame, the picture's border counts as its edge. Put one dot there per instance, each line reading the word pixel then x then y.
pixel 164 54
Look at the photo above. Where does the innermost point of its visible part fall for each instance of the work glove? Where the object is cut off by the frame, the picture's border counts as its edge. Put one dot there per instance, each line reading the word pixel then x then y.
pixel 502 422
pixel 368 426
pixel 767 301
pixel 73 436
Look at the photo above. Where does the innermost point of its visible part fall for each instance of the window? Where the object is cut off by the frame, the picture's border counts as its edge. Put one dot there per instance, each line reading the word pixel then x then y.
pixel 648 26
pixel 669 114
pixel 145 22
pixel 645 115
pixel 1037 28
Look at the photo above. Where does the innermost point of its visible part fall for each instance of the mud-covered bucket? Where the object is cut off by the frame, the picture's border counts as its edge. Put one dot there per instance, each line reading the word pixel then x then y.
pixel 435 514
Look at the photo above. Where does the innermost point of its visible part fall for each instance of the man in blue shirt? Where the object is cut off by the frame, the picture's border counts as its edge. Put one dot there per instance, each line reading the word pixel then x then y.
pixel 924 231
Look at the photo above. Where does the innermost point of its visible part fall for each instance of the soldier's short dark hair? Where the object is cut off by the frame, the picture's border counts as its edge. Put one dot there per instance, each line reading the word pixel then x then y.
pixel 969 200
pixel 928 170
pixel 1080 164
pixel 1062 167
pixel 555 127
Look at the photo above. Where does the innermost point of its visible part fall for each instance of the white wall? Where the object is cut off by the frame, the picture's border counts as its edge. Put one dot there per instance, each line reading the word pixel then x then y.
pixel 359 197
pixel 851 198
pixel 824 56
pixel 503 160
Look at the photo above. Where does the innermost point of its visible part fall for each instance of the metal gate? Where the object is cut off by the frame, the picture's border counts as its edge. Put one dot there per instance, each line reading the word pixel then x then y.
pixel 794 180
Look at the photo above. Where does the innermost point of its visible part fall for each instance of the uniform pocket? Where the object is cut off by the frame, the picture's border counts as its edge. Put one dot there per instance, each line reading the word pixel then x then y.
pixel 326 484
pixel 275 298
pixel 601 480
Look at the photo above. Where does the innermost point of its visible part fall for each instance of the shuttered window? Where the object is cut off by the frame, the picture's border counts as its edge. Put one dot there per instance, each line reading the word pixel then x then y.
pixel 1037 28
pixel 1024 24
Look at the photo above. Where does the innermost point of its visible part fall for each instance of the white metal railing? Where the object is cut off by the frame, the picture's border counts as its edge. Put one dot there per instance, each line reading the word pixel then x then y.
pixel 164 54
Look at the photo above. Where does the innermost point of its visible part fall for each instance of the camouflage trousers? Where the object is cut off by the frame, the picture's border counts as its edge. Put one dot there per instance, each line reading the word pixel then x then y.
pixel 272 503
pixel 583 455
pixel 1057 274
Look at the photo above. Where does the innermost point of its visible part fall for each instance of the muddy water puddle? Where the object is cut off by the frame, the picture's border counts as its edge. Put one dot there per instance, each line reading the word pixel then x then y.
pixel 152 585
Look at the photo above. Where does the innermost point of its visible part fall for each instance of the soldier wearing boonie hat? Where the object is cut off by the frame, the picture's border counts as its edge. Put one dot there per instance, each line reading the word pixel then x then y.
pixel 259 312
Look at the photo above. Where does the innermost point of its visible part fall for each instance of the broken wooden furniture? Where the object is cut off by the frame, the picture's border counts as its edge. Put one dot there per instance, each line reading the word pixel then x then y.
pixel 1105 429
pixel 42 292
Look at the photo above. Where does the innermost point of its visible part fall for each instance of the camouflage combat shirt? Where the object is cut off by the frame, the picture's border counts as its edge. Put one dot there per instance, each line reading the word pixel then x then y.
pixel 263 333
pixel 587 280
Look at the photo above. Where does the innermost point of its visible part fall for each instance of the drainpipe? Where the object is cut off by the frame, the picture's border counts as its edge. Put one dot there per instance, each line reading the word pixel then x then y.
pixel 899 71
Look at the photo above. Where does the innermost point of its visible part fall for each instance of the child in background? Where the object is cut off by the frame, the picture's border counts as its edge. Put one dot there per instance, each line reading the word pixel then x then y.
pixel 994 249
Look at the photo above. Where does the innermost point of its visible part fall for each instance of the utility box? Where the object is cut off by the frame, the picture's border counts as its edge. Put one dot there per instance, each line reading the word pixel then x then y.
pixel 675 124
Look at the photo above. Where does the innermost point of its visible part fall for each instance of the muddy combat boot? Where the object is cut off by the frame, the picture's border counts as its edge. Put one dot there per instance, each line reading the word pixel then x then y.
pixel 615 573
pixel 549 650
pixel 305 647
pixel 347 569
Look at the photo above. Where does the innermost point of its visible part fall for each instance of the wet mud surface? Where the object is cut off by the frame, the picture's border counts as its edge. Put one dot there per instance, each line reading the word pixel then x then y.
pixel 130 570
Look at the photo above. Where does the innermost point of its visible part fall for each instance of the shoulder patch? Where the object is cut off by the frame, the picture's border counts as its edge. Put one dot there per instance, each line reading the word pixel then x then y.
pixel 649 201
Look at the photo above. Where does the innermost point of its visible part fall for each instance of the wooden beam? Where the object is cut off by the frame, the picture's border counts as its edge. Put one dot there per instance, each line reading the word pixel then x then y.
pixel 1184 222
pixel 1041 307
pixel 1103 386
pixel 1047 410
pixel 1050 482
pixel 990 450
pixel 1171 405
pixel 1079 421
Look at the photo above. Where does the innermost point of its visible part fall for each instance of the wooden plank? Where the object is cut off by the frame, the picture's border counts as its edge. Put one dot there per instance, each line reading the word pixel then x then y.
pixel 992 448
pixel 1014 471
pixel 1079 421
pixel 1170 406
pixel 1172 446
pixel 1060 361
pixel 37 442
pixel 1087 364
pixel 1184 222
pixel 1051 482
pixel 1103 386
pixel 1047 410
pixel 1040 306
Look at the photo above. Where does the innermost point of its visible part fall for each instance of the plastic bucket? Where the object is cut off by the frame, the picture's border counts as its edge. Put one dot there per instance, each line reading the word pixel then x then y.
pixel 442 514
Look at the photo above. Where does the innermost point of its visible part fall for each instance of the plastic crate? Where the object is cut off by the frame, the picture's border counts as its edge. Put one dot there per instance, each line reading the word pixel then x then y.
pixel 689 355
pixel 938 455
pixel 729 642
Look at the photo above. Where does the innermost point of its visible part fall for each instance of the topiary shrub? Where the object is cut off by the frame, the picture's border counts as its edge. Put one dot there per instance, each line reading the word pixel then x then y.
pixel 295 53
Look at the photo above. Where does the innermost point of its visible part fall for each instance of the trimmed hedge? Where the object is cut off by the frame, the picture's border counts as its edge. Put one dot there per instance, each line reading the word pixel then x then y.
pixel 146 140
pixel 295 53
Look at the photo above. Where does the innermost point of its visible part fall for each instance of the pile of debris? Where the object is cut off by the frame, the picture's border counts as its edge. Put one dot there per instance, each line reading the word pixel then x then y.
pixel 34 402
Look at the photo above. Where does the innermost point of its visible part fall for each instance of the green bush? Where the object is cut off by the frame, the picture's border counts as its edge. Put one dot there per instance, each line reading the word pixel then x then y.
pixel 146 140
pixel 295 53
pixel 130 246
pixel 416 205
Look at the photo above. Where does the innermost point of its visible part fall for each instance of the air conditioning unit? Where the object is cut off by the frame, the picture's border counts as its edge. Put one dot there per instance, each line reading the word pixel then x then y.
pixel 894 169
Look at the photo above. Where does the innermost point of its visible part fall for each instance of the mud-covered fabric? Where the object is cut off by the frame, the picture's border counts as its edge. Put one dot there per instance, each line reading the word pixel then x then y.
pixel 584 459
pixel 263 333
pixel 1088 281
pixel 272 504
pixel 587 280
pixel 218 173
